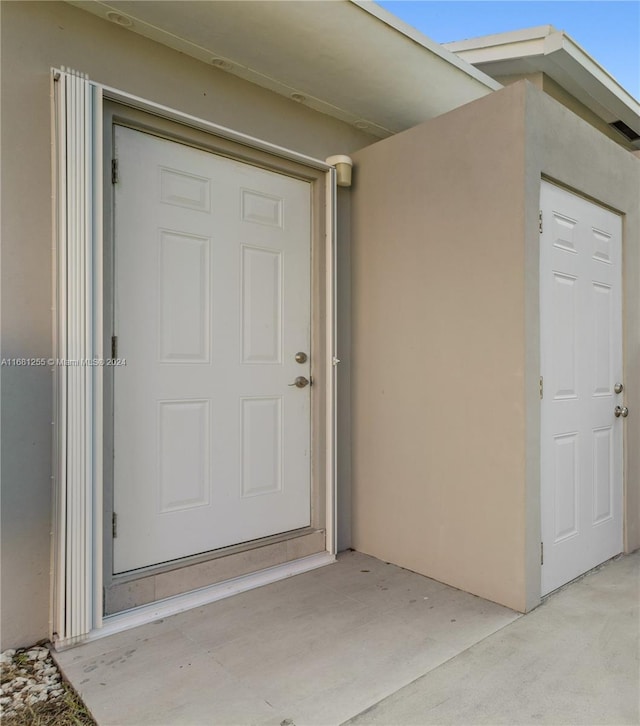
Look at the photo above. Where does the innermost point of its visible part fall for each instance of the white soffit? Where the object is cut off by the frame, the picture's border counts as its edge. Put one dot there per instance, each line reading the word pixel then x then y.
pixel 554 53
pixel 349 59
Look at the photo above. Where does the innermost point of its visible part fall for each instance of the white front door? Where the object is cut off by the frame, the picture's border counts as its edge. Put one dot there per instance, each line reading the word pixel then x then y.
pixel 212 304
pixel 581 355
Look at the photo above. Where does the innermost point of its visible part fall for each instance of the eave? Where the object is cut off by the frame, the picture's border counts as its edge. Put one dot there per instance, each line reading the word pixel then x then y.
pixel 346 58
pixel 552 52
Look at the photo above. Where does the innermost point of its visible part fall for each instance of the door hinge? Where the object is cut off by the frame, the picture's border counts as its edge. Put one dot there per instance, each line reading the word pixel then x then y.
pixel 114 347
pixel 542 553
pixel 115 177
pixel 540 221
pixel 541 385
pixel 114 525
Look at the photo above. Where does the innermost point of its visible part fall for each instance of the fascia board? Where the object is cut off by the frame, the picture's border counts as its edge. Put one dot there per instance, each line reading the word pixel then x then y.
pixel 502 40
pixel 554 53
pixel 529 48
pixel 588 71
pixel 591 95
pixel 535 44
pixel 437 49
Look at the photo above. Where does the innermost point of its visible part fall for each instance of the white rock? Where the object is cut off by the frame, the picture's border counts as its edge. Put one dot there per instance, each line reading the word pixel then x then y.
pixel 36 680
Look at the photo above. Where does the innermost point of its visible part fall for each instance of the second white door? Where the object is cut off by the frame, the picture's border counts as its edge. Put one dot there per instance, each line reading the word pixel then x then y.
pixel 581 355
pixel 212 304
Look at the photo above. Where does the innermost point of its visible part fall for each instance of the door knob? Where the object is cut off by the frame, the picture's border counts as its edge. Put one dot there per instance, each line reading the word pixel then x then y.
pixel 300 382
pixel 618 388
pixel 621 411
pixel 301 357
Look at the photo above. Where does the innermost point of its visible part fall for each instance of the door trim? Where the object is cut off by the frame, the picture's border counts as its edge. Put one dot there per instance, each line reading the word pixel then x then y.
pixel 77 612
pixel 220 132
pixel 322 295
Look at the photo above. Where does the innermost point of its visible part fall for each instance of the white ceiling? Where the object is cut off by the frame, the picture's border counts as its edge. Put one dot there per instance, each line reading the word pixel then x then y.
pixel 348 59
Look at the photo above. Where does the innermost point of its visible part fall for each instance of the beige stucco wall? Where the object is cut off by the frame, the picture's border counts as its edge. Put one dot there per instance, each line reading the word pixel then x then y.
pixel 446 354
pixel 537 79
pixel 555 90
pixel 35 37
pixel 438 348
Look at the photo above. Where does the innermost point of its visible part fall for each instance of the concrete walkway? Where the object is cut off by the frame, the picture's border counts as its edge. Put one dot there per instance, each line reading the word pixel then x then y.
pixel 317 648
pixel 364 637
pixel 573 660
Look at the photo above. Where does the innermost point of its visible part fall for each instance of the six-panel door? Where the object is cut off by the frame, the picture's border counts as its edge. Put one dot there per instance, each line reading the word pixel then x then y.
pixel 212 303
pixel 581 355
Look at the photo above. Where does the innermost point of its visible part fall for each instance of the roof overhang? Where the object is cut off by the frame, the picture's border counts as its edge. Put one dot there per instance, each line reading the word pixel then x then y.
pixel 346 58
pixel 552 52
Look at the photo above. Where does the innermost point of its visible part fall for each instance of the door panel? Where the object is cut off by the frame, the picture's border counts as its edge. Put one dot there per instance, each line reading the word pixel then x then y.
pixel 212 302
pixel 581 356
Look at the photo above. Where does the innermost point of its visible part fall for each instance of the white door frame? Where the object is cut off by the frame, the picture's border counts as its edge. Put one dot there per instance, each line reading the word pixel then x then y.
pixel 77 551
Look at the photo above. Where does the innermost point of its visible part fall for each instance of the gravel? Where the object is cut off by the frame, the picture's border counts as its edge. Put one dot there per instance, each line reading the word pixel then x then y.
pixel 29 676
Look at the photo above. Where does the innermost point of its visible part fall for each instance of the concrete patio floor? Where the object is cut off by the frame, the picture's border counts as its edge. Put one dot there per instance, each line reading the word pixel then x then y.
pixel 573 660
pixel 365 637
pixel 317 648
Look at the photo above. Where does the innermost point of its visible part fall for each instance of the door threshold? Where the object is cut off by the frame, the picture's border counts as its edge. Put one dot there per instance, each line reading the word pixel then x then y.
pixel 163 567
pixel 183 576
pixel 179 603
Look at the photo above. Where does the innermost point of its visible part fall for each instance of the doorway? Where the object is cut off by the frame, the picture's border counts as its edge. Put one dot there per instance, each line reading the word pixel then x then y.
pixel 212 306
pixel 582 389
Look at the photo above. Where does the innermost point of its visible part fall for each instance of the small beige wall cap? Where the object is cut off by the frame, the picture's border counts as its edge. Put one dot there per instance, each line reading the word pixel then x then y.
pixel 343 165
